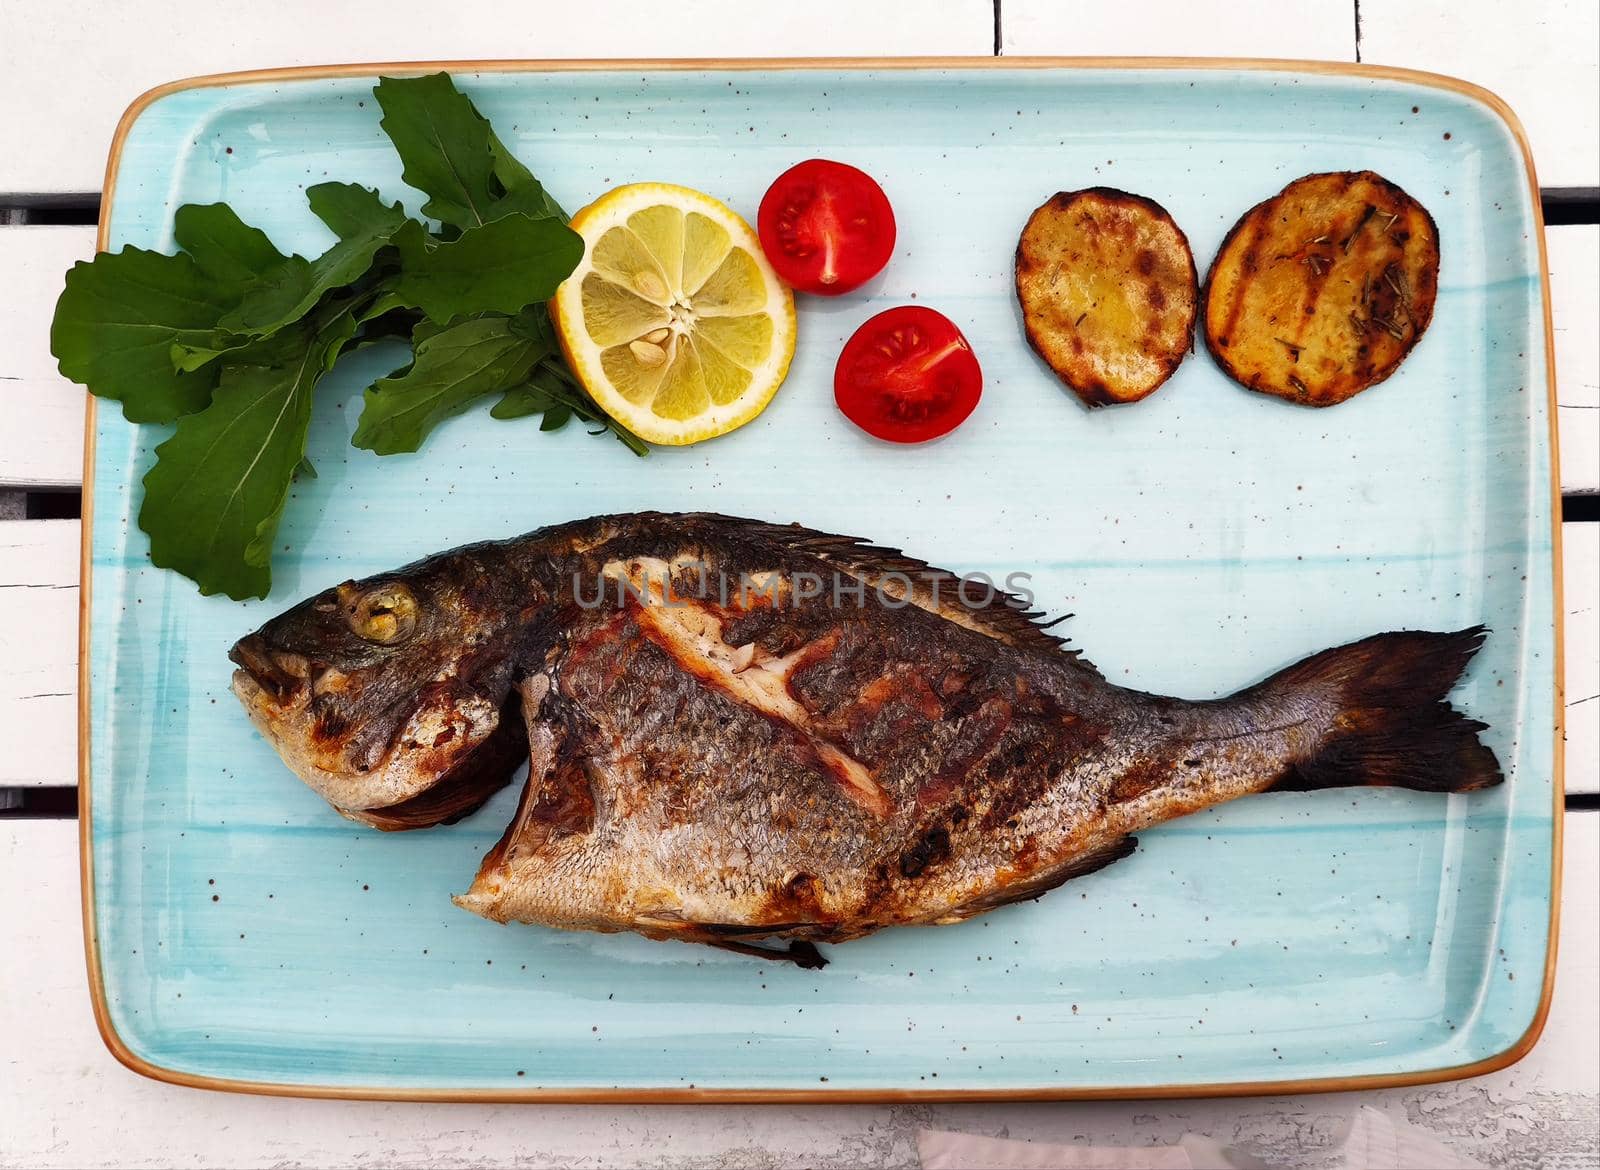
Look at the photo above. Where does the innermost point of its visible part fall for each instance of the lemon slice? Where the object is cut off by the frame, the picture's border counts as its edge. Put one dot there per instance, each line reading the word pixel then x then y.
pixel 674 321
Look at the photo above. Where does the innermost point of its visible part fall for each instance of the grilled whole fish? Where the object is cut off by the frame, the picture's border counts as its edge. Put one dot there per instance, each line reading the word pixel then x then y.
pixel 740 731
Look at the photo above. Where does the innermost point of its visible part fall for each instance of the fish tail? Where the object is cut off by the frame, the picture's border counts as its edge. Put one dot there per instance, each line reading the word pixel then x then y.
pixel 1392 726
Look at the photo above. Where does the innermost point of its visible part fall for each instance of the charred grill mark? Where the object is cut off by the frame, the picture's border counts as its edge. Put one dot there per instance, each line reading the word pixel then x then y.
pixel 1230 321
pixel 1013 758
pixel 1032 762
pixel 903 697
pixel 1317 283
pixel 598 637
pixel 1366 215
pixel 1141 777
pixel 979 733
pixel 931 847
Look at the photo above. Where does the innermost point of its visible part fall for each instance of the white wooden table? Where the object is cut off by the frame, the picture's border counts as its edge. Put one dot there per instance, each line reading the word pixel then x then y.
pixel 66 73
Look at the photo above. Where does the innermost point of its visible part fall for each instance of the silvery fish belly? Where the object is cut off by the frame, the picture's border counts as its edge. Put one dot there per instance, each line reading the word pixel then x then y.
pixel 739 731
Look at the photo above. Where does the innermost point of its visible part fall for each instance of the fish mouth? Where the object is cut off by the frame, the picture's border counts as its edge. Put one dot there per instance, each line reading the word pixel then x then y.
pixel 276 674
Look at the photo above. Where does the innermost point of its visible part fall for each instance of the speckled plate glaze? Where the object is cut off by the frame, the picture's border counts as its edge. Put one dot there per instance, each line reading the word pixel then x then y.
pixel 243 936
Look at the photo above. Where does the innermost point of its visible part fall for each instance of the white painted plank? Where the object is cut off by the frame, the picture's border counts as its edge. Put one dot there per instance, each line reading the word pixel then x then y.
pixel 1575 311
pixel 41 413
pixel 1306 29
pixel 39 646
pixel 1575 299
pixel 69 1105
pixel 1581 594
pixel 1543 59
pixel 85 65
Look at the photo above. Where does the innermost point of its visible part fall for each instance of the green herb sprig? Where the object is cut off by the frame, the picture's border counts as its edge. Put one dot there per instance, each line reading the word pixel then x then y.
pixel 229 338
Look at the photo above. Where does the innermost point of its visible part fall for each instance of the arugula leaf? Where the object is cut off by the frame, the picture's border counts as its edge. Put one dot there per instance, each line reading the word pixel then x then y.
pixel 497 268
pixel 223 245
pixel 451 369
pixel 289 291
pixel 213 500
pixel 522 192
pixel 187 357
pixel 387 301
pixel 534 323
pixel 451 154
pixel 540 394
pixel 229 338
pixel 553 391
pixel 353 212
pixel 117 320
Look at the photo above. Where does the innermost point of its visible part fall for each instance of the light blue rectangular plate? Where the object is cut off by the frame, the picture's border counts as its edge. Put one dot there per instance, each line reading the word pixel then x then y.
pixel 248 937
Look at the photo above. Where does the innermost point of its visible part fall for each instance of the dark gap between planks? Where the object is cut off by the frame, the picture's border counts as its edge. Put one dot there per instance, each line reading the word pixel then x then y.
pixel 1562 205
pixel 1569 205
pixel 46 504
pixel 67 504
pixel 60 803
pixel 1580 509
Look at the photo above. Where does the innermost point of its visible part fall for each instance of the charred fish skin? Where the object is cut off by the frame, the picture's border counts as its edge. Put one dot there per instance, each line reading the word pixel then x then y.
pixel 723 765
pixel 816 771
pixel 387 695
pixel 393 697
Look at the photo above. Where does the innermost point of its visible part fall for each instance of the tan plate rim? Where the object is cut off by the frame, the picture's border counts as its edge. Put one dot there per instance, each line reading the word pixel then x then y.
pixel 601 1095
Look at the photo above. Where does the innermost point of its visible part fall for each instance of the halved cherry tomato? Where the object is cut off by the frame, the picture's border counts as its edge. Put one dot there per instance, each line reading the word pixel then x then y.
pixel 826 227
pixel 907 375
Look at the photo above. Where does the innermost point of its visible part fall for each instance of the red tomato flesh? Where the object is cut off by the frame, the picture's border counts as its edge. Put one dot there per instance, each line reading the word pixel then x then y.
pixel 826 227
pixel 907 375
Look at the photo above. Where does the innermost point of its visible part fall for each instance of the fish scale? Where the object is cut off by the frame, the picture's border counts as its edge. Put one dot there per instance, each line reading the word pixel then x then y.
pixel 727 765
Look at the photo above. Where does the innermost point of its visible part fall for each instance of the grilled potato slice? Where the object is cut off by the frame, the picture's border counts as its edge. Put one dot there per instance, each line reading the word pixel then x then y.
pixel 1322 290
pixel 1108 292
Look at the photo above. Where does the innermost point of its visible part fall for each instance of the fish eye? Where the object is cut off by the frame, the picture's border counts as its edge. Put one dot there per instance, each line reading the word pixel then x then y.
pixel 384 614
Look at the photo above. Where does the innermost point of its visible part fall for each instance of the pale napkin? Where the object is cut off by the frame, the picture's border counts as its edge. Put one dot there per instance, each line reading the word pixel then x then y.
pixel 1372 1141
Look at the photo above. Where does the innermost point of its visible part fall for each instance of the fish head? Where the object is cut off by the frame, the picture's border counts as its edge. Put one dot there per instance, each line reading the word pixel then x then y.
pixel 376 690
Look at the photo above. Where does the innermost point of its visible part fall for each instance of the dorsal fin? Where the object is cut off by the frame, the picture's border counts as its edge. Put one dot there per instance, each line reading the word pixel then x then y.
pixel 1002 616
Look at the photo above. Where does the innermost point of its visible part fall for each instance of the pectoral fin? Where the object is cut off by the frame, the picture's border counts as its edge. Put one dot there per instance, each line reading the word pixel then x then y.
pixel 801 953
pixel 557 800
